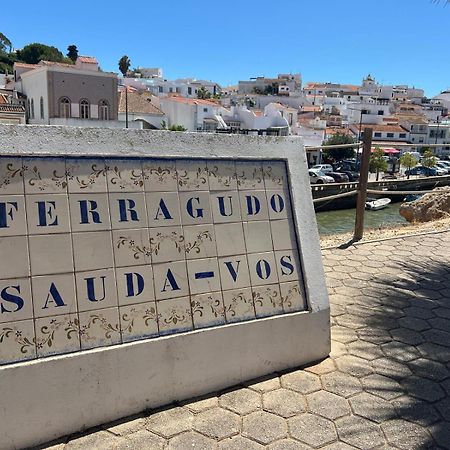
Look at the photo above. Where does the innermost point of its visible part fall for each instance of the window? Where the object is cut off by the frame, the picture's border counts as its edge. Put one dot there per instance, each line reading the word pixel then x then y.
pixel 205 109
pixel 170 89
pixel 41 107
pixel 390 135
pixel 189 91
pixel 160 89
pixel 402 135
pixel 378 135
pixel 380 112
pixel 291 118
pixel 178 90
pixel 103 110
pixel 32 108
pixel 84 109
pixel 64 108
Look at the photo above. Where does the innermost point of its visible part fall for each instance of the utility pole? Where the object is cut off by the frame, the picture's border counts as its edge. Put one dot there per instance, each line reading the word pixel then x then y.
pixel 362 186
pixel 126 106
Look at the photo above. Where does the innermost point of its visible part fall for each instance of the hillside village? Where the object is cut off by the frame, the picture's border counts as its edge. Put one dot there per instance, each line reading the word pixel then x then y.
pixel 81 94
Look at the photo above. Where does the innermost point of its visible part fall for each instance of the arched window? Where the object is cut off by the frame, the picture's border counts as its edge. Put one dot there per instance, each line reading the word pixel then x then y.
pixel 103 110
pixel 32 108
pixel 41 107
pixel 64 108
pixel 84 109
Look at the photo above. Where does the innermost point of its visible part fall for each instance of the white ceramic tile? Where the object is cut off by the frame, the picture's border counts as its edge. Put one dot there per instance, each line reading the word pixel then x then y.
pixel 86 175
pixel 254 205
pixel 89 212
pixel 174 315
pixel 45 175
pixel 54 295
pixel 96 290
pixel 167 244
pixel 292 296
pixel 11 176
pixel 16 303
pixel 249 175
pixel 258 237
pixel 267 300
pixel 234 273
pixel 48 214
pixel 278 204
pixel 12 215
pixel 239 305
pixel 222 175
pixel 160 175
pixel 131 247
pixel 17 341
pixel 195 208
pixel 207 310
pixel 125 175
pixel 14 257
pixel 99 328
pixel 263 269
pixel 225 206
pixel 199 241
pixel 138 321
pixel 163 209
pixel 275 175
pixel 127 210
pixel 135 285
pixel 283 234
pixel 192 175
pixel 170 280
pixel 229 239
pixel 58 334
pixel 288 265
pixel 203 275
pixel 50 254
pixel 92 250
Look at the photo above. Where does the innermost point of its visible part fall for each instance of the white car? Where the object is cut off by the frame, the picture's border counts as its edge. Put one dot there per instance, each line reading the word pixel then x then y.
pixel 325 168
pixel 318 177
pixel 444 166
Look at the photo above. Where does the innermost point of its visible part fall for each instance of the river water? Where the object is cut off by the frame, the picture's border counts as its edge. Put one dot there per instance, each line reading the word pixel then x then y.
pixel 342 221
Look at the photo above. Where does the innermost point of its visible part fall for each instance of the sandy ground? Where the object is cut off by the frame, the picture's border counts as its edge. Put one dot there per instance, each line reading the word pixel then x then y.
pixel 387 232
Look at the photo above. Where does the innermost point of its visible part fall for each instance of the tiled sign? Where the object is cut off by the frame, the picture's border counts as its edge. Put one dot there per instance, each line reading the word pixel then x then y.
pixel 96 252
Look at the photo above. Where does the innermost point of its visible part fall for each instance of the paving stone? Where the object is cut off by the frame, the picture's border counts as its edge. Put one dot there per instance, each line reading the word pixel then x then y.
pixel 442 312
pixel 217 423
pixel 439 323
pixel 100 440
pixel 191 440
pixel 301 381
pixel 422 388
pixel 400 351
pixel 200 405
pixel 121 428
pixel 265 385
pixel 429 369
pixel 406 435
pixel 312 430
pixel 365 350
pixel 407 336
pixel 264 427
pixel 353 365
pixel 359 432
pixel 337 349
pixel 382 386
pixel 170 422
pixel 328 405
pixel 351 321
pixel 341 384
pixel 391 368
pixel 288 444
pixel 443 406
pixel 339 446
pixel 142 439
pixel 441 434
pixel 437 337
pixel 414 410
pixel 446 386
pixel 343 334
pixel 373 408
pixel 374 336
pixel 326 366
pixel 434 351
pixel 284 402
pixel 241 401
pixel 239 443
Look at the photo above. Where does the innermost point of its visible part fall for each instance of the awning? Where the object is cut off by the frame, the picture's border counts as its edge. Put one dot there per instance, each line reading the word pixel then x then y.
pixel 388 150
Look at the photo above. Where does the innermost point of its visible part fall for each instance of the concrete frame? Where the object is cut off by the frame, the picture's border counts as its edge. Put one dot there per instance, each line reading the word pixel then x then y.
pixel 44 399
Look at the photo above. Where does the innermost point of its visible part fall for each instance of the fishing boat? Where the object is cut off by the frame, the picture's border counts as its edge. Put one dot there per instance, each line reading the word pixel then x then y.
pixel 380 203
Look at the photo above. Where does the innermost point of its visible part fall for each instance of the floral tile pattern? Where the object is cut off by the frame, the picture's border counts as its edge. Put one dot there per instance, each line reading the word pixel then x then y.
pixel 104 251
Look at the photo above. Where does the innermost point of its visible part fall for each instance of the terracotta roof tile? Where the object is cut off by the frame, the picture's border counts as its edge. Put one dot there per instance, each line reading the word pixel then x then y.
pixel 138 103
pixel 87 59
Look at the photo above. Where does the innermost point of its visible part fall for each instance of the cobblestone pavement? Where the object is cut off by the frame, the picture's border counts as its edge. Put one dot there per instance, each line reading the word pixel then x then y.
pixel 385 385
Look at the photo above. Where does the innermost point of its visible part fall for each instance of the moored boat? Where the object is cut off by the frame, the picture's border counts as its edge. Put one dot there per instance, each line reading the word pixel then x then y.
pixel 380 203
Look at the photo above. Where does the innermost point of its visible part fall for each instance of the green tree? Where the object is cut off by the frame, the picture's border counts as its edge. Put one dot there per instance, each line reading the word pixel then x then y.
pixel 203 93
pixel 409 161
pixel 338 154
pixel 124 64
pixel 4 43
pixel 176 128
pixel 377 162
pixel 429 160
pixel 33 53
pixel 72 52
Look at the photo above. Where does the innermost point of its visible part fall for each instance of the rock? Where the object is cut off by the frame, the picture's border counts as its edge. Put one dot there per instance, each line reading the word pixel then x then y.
pixel 429 207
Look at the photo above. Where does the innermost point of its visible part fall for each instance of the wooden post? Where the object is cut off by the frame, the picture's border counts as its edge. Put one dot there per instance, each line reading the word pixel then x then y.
pixel 362 186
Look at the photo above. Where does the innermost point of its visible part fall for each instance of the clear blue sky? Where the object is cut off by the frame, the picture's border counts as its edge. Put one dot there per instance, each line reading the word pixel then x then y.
pixel 397 41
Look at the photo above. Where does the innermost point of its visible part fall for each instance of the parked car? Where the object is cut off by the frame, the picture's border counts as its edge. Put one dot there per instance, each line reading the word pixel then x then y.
pixel 352 176
pixel 423 171
pixel 318 177
pixel 325 168
pixel 338 177
pixel 442 165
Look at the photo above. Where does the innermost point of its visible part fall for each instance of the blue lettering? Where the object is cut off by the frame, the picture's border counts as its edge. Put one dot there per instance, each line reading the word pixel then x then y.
pixel 222 206
pixel 43 213
pixel 286 263
pixel 123 210
pixel 11 298
pixel 190 208
pixel 90 284
pixel 162 209
pixel 54 296
pixel 253 205
pixel 232 270
pixel 170 280
pixel 277 206
pixel 4 213
pixel 85 211
pixel 263 269
pixel 131 292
